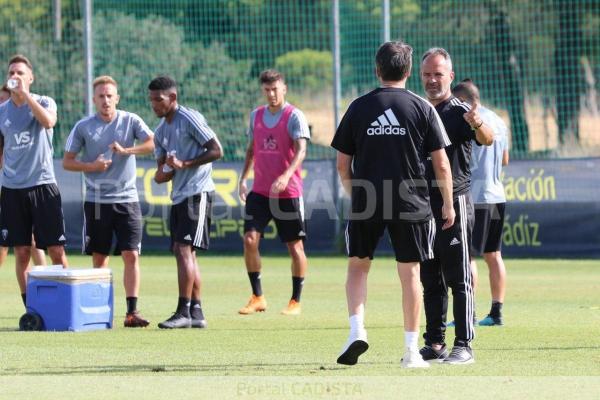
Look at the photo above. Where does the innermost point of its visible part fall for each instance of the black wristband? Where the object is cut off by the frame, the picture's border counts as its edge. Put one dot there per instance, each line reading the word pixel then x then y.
pixel 477 127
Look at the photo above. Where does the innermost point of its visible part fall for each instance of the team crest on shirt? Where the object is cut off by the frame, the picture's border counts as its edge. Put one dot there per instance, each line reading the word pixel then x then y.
pixel 95 135
pixel 4 234
pixel 270 143
pixel 165 142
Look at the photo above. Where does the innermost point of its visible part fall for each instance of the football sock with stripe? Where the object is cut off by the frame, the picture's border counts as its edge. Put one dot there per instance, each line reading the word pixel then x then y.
pixel 255 283
pixel 196 309
pixel 496 310
pixel 297 284
pixel 183 307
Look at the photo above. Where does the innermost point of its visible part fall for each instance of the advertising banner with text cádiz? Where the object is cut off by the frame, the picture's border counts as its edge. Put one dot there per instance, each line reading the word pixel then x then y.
pixel 228 219
pixel 553 208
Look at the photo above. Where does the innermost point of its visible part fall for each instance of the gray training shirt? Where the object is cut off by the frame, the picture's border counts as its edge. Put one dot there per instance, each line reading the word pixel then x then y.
pixel 27 145
pixel 186 135
pixel 92 136
pixel 486 162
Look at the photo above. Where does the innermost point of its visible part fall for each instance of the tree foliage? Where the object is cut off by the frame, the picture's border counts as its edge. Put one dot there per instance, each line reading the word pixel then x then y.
pixel 307 70
pixel 516 50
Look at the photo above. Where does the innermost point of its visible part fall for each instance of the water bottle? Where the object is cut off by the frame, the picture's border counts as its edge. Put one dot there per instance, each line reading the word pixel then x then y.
pixel 12 84
pixel 166 169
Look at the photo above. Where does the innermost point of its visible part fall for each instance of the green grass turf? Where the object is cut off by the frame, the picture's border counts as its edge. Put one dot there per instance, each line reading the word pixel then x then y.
pixel 552 330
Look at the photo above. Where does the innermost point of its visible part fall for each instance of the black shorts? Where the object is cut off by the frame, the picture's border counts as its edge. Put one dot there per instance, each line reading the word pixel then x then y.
pixel 487 231
pixel 288 215
pixel 412 241
pixel 190 221
pixel 102 220
pixel 36 210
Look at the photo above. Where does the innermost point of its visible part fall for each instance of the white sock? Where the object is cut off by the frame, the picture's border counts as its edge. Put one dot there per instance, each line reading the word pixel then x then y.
pixel 357 322
pixel 411 340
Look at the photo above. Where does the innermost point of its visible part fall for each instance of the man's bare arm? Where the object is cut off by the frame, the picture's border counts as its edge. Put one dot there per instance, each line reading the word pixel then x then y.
pixel 344 168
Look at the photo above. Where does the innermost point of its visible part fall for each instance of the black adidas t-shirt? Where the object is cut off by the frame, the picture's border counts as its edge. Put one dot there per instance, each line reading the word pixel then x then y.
pixel 459 152
pixel 390 132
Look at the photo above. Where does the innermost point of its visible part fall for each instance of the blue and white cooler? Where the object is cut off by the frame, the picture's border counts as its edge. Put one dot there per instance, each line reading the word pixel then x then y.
pixel 68 299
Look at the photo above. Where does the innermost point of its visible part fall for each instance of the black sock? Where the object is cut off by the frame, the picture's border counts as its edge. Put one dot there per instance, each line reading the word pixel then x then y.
pixel 24 297
pixel 183 306
pixel 255 282
pixel 496 310
pixel 196 309
pixel 297 283
pixel 131 304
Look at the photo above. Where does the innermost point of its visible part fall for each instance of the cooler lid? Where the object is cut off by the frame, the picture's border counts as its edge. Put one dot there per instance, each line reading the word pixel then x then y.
pixel 56 272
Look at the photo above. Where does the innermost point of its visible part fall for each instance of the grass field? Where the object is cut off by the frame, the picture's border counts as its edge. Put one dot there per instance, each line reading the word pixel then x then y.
pixel 549 347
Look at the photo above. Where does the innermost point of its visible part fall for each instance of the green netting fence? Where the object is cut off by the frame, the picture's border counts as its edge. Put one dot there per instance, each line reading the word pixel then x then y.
pixel 537 62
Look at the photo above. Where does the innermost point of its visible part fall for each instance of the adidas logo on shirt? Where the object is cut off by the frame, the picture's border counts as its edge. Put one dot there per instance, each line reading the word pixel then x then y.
pixel 386 124
pixel 454 242
pixel 187 237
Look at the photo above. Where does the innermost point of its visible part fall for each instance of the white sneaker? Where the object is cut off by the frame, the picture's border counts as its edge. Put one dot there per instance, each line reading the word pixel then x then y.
pixel 354 347
pixel 412 359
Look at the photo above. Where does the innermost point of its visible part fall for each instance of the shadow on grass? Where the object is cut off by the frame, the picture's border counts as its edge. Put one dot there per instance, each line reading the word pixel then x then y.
pixel 267 328
pixel 569 348
pixel 219 329
pixel 226 369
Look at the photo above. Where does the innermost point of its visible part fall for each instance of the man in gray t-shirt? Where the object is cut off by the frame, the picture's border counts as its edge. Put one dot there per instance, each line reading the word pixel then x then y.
pixel 4 96
pixel 30 198
pixel 38 256
pixel 107 143
pixel 489 200
pixel 185 148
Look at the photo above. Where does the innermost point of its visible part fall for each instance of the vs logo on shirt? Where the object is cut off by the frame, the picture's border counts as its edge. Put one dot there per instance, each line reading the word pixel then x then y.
pixel 23 137
pixel 270 143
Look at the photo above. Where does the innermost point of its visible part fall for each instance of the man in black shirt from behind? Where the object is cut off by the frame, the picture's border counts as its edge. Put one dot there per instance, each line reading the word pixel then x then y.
pixel 451 265
pixel 383 143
